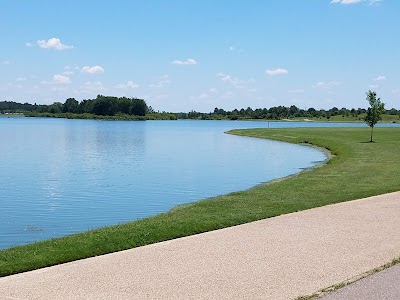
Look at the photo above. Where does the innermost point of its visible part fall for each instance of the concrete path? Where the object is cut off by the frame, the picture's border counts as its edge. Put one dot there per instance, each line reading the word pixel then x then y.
pixel 277 258
pixel 384 285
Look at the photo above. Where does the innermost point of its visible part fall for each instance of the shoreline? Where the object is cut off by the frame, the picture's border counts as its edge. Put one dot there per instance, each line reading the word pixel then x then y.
pixel 266 259
pixel 301 192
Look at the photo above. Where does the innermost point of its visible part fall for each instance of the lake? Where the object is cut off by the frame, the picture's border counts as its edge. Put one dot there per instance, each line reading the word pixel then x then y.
pixel 61 176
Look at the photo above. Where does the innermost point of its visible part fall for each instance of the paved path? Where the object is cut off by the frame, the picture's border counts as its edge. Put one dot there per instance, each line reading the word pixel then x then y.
pixel 276 258
pixel 384 285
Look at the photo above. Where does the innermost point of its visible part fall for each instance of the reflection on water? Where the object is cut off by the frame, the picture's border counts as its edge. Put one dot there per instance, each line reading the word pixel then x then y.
pixel 65 176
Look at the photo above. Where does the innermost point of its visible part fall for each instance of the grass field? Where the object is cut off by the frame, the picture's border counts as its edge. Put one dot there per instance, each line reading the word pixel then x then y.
pixel 359 169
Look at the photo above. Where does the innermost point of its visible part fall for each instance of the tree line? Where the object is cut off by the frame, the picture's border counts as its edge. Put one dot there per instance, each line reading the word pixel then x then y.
pixel 101 105
pixel 278 113
pixel 112 106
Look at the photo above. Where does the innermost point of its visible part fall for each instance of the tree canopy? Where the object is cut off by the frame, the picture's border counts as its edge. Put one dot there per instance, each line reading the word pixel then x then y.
pixel 101 105
pixel 374 112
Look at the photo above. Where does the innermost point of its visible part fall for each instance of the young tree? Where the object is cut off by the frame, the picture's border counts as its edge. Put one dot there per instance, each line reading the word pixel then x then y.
pixel 374 111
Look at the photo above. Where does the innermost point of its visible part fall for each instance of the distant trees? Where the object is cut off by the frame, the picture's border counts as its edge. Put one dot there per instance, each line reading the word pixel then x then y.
pixel 110 106
pixel 133 108
pixel 101 105
pixel 70 106
pixel 15 107
pixel 276 113
pixel 374 112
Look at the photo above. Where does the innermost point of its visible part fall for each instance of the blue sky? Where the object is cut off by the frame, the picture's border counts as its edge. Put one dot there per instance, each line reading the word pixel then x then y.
pixel 183 55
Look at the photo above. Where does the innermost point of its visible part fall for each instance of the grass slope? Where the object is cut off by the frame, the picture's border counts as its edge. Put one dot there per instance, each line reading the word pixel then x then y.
pixel 358 170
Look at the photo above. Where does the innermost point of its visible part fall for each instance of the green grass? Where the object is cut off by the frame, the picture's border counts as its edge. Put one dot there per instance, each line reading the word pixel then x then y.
pixel 358 170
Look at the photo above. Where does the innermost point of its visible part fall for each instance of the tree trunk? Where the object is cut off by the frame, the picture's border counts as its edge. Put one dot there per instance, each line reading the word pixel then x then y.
pixel 372 131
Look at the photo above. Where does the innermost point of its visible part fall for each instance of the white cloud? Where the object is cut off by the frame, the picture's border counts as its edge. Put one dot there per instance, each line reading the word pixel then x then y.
pixel 58 79
pixel 236 82
pixel 235 49
pixel 189 61
pixel 374 2
pixel 68 72
pixel 92 70
pixel 275 72
pixel 162 82
pixel 20 79
pixel 69 68
pixel 61 79
pixel 129 84
pixel 380 78
pixel 326 85
pixel 53 43
pixel 93 86
pixel 347 2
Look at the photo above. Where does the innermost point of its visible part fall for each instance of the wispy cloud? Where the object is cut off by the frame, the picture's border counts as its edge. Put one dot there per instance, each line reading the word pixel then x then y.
pixel 128 85
pixel 235 49
pixel 6 62
pixel 61 79
pixel 275 72
pixel 189 61
pixel 236 82
pixel 326 85
pixel 374 2
pixel 90 86
pixel 380 78
pixel 92 70
pixel 162 82
pixel 58 79
pixel 53 43
pixel 348 2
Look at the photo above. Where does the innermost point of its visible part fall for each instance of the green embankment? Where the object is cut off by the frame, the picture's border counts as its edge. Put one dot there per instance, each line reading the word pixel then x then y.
pixel 358 170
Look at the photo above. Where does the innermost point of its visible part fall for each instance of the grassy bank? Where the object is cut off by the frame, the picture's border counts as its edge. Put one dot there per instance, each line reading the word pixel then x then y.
pixel 359 169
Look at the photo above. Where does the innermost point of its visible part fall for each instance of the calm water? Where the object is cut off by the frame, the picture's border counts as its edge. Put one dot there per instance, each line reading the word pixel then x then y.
pixel 63 176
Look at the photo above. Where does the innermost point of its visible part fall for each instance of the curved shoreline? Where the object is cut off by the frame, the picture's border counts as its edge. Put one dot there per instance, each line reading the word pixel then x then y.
pixel 304 191
pixel 276 258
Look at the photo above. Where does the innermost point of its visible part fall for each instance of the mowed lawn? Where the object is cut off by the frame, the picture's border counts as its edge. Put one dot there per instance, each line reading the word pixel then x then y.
pixel 359 169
